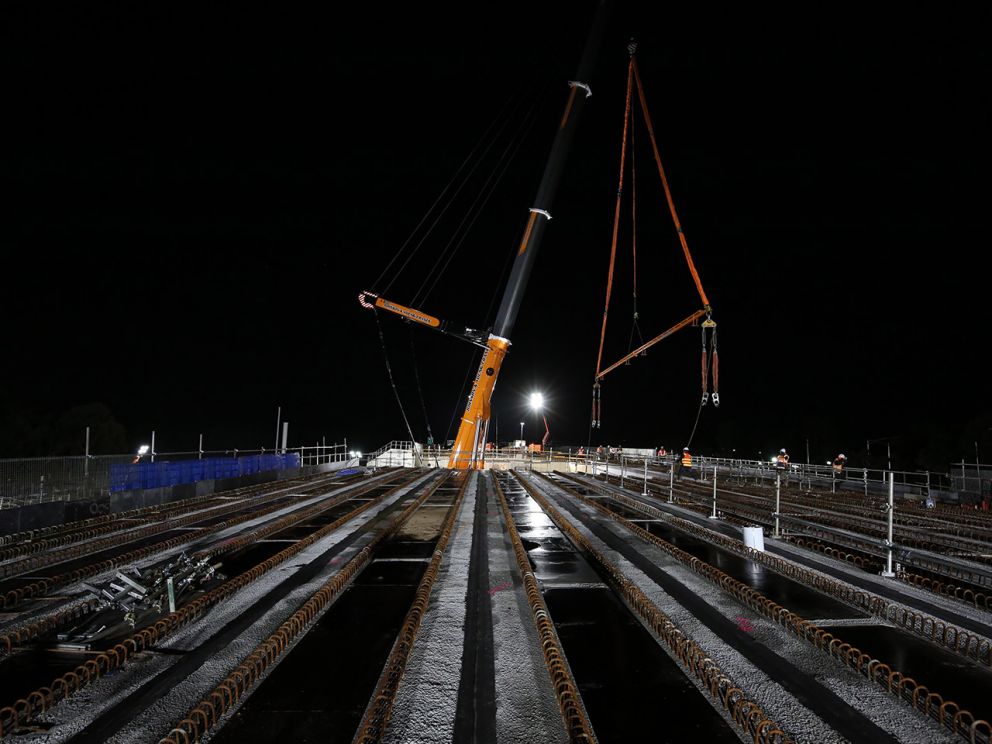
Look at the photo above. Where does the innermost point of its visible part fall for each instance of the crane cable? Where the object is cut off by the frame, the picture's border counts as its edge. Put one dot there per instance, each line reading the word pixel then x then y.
pixel 389 371
pixel 596 412
pixel 633 246
pixel 456 184
pixel 616 223
pixel 420 391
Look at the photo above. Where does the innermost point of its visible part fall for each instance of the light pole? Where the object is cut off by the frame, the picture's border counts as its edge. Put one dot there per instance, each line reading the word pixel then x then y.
pixel 537 405
pixel 521 429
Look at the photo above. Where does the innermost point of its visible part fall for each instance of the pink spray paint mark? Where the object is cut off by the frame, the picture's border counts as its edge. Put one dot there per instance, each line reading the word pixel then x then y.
pixel 500 587
pixel 744 624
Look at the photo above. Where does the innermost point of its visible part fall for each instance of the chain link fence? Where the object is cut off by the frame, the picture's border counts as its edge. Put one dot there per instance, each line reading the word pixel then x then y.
pixel 37 480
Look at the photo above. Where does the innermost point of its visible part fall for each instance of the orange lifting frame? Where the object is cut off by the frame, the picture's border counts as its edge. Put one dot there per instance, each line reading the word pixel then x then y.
pixel 633 76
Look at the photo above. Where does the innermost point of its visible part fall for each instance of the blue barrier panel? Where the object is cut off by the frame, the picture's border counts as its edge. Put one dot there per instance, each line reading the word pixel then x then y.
pixel 136 476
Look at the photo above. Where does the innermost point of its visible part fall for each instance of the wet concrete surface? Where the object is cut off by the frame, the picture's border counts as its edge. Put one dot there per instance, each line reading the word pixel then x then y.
pixel 944 672
pixel 552 557
pixel 790 594
pixel 632 690
pixel 318 693
pixel 406 549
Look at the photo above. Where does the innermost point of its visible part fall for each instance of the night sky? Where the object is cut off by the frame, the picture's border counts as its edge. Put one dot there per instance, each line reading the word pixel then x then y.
pixel 195 197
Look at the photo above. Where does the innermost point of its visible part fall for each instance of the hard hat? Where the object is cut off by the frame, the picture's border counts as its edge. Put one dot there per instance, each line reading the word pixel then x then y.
pixel 685 449
pixel 842 456
pixel 782 451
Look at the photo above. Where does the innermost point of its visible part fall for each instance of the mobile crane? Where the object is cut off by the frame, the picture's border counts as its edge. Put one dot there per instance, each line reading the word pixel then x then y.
pixel 469 447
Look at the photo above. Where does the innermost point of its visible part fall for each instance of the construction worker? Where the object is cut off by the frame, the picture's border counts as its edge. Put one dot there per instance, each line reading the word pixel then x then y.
pixel 840 462
pixel 581 452
pixel 782 466
pixel 662 452
pixel 685 464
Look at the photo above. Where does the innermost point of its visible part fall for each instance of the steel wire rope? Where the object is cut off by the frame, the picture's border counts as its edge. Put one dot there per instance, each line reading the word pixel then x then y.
pixel 420 392
pixel 489 138
pixel 635 326
pixel 389 371
pixel 461 392
pixel 488 317
pixel 468 158
pixel 478 204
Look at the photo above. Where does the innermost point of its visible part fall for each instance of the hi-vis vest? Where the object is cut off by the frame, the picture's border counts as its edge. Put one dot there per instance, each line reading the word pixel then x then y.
pixel 838 465
pixel 781 461
pixel 686 460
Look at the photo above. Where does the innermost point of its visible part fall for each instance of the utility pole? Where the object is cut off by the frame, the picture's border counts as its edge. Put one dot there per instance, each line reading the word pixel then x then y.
pixel 278 415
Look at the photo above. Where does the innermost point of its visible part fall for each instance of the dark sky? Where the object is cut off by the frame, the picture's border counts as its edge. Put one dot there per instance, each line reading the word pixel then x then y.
pixel 194 198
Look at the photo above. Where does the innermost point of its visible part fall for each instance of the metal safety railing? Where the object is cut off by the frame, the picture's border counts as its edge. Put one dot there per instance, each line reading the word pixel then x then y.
pixel 909 483
pixel 36 480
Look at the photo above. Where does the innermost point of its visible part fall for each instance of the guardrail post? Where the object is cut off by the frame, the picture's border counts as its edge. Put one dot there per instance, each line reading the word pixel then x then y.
pixel 622 472
pixel 671 483
pixel 888 572
pixel 778 502
pixel 865 476
pixel 713 515
pixel 833 481
pixel 645 477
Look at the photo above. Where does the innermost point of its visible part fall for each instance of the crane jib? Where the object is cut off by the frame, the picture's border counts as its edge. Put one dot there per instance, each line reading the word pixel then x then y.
pixel 410 313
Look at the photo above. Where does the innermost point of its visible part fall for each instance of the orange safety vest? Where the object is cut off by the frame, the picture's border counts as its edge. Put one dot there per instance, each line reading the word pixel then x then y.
pixel 686 460
pixel 782 461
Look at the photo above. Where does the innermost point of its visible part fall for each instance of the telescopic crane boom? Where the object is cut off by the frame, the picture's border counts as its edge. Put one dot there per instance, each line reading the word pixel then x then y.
pixel 469 447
